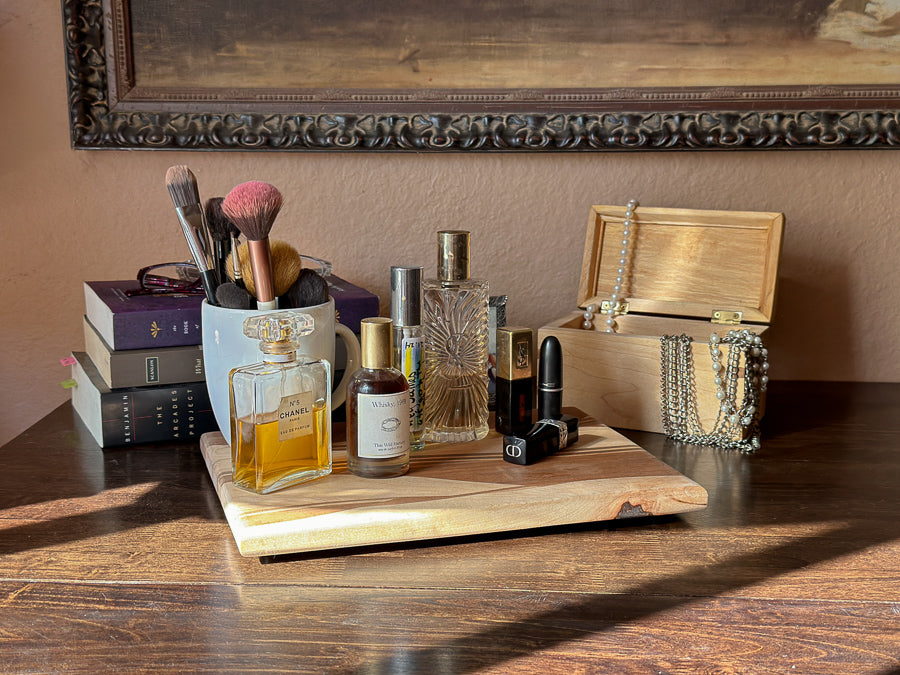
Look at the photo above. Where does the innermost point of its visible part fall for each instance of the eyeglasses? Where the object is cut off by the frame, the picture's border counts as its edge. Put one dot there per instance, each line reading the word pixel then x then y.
pixel 178 278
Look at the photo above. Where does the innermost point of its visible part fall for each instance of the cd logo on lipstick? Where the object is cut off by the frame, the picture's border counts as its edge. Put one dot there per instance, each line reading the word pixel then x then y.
pixel 513 450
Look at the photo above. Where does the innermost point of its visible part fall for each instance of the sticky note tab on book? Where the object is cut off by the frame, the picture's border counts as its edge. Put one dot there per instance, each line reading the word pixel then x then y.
pixel 68 384
pixel 68 361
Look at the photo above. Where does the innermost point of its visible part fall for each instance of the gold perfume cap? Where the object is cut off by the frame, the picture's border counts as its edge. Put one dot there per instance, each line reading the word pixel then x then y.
pixel 515 353
pixel 453 255
pixel 375 340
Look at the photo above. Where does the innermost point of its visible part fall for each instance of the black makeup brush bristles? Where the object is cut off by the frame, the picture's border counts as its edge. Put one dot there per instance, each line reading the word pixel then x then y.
pixel 233 297
pixel 220 232
pixel 219 225
pixel 233 232
pixel 310 289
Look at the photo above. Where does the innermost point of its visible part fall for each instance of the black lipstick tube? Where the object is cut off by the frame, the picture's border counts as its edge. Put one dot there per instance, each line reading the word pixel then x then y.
pixel 515 380
pixel 550 379
pixel 545 438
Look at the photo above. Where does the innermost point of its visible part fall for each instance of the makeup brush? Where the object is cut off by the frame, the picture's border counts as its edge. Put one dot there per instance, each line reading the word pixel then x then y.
pixel 286 266
pixel 252 207
pixel 235 266
pixel 220 233
pixel 182 186
pixel 233 297
pixel 309 289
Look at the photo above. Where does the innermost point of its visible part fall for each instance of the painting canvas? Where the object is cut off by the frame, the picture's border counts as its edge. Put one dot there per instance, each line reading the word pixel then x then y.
pixel 525 44
pixel 488 60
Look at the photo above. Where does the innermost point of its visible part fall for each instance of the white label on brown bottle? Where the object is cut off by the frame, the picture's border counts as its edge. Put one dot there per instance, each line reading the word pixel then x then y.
pixel 382 425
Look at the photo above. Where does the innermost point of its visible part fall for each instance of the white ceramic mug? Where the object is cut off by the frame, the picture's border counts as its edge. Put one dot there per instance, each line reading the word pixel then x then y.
pixel 225 347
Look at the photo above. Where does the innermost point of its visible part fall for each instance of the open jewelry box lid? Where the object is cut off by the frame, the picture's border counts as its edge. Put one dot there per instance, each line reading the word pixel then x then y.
pixel 684 262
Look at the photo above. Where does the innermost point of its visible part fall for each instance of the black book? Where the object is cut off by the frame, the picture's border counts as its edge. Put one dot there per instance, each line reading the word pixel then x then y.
pixel 126 416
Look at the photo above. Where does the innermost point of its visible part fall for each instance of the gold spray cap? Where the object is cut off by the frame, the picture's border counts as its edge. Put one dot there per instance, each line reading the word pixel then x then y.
pixel 375 340
pixel 453 255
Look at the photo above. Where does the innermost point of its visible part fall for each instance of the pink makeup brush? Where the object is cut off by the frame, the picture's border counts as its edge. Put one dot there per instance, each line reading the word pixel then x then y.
pixel 252 207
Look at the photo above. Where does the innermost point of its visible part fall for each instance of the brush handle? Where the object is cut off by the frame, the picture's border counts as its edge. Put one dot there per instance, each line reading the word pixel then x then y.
pixel 236 264
pixel 191 219
pixel 261 265
pixel 222 249
pixel 208 279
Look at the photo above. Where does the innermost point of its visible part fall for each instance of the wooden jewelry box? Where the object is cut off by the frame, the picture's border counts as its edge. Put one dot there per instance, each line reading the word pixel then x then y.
pixel 686 272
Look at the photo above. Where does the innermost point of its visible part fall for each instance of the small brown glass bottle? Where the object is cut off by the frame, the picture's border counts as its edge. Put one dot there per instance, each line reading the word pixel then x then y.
pixel 377 407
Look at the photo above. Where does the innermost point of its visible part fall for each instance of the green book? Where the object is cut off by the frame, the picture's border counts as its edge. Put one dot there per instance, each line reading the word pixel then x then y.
pixel 142 367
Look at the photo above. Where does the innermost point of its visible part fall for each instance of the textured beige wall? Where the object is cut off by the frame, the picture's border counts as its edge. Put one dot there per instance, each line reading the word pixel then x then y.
pixel 68 216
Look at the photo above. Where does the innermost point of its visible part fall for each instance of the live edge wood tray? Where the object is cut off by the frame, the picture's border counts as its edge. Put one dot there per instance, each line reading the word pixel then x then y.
pixel 452 490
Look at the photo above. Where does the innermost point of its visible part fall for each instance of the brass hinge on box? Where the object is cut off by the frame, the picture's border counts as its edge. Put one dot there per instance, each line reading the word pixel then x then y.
pixel 621 308
pixel 725 317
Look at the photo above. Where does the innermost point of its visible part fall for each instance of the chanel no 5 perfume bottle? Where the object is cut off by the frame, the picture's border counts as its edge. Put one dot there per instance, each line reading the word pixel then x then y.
pixel 377 407
pixel 456 346
pixel 409 343
pixel 280 408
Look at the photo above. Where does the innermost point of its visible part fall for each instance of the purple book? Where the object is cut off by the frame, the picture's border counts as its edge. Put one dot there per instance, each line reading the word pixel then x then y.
pixel 351 302
pixel 141 321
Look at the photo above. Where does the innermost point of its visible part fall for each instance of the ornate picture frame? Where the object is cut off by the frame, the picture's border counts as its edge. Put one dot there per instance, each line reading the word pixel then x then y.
pixel 114 104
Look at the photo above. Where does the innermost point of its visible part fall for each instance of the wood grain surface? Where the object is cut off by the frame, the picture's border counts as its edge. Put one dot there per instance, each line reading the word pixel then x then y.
pixel 616 376
pixel 452 490
pixel 685 262
pixel 123 560
pixel 682 266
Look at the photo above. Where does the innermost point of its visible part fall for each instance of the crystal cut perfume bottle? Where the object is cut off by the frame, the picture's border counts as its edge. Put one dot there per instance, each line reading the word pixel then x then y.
pixel 280 408
pixel 456 346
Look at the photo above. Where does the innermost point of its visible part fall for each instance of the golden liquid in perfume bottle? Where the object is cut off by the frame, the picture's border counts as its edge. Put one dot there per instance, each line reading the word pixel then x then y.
pixel 262 463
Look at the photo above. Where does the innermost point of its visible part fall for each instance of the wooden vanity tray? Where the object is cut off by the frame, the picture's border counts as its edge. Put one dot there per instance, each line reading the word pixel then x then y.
pixel 452 490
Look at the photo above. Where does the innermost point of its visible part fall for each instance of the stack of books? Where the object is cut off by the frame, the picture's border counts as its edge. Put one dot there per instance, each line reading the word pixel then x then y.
pixel 140 378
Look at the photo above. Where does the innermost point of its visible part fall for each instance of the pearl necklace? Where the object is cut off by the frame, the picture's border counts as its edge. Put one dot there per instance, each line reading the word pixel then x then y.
pixel 591 309
pixel 736 428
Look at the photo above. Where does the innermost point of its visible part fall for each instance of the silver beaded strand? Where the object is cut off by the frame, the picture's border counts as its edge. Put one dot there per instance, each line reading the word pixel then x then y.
pixel 591 309
pixel 735 428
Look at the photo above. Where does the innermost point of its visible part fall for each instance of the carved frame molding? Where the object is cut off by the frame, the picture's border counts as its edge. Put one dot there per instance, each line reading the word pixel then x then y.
pixel 106 111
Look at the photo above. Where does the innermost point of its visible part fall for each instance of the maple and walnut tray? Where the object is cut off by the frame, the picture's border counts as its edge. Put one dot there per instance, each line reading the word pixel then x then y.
pixel 452 490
